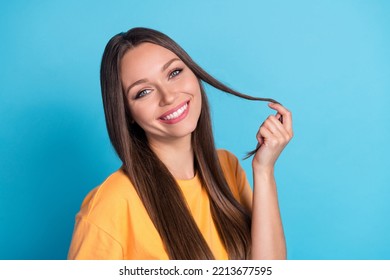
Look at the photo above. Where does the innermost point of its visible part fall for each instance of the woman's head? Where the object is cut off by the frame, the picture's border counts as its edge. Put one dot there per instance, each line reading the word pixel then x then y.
pixel 162 94
pixel 146 80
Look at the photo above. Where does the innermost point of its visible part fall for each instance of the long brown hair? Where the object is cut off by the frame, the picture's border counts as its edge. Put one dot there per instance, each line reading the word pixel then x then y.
pixel 152 180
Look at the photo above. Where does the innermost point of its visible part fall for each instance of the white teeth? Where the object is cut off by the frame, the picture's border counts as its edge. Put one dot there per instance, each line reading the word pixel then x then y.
pixel 176 114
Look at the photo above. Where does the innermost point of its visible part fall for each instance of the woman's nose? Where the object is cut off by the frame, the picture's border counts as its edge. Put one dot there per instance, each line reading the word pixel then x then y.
pixel 167 95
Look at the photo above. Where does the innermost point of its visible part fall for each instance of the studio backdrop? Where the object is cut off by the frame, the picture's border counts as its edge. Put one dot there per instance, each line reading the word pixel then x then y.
pixel 327 61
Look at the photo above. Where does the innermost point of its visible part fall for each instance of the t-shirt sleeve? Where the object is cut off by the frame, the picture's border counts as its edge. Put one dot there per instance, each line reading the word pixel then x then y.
pixel 236 178
pixel 90 242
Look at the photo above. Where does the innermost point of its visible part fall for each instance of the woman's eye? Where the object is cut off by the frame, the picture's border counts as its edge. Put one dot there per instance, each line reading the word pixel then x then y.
pixel 174 73
pixel 142 93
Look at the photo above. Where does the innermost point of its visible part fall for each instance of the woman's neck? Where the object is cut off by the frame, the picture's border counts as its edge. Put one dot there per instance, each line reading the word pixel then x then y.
pixel 178 157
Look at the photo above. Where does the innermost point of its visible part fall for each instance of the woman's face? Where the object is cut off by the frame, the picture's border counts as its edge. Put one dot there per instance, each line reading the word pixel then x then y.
pixel 163 94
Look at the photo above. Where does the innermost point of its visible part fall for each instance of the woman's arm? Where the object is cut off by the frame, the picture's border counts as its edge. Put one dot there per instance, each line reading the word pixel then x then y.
pixel 268 240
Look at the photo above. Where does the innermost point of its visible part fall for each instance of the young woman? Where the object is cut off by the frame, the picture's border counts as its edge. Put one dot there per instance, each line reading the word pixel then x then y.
pixel 176 196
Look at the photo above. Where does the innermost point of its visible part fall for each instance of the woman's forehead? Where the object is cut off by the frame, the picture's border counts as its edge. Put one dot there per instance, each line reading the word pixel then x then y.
pixel 145 57
pixel 147 53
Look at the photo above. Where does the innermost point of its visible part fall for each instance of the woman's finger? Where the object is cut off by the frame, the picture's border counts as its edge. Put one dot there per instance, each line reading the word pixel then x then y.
pixel 279 117
pixel 285 114
pixel 274 125
pixel 264 133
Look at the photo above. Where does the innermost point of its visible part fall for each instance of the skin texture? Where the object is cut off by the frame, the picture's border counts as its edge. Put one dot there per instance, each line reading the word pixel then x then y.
pixel 156 82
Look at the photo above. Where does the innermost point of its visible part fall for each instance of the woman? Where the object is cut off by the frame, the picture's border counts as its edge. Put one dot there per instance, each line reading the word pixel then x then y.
pixel 175 196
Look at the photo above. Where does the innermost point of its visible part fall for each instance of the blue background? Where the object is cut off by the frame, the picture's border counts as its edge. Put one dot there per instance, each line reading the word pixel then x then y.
pixel 327 61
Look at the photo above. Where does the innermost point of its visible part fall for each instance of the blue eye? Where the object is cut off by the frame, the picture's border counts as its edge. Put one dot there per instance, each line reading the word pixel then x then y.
pixel 174 73
pixel 142 93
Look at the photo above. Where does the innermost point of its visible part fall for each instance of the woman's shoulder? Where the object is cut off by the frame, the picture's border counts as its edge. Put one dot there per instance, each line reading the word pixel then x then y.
pixel 234 174
pixel 229 164
pixel 227 159
pixel 114 193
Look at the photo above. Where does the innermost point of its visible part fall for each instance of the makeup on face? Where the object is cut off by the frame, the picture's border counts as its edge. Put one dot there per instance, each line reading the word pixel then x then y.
pixel 163 94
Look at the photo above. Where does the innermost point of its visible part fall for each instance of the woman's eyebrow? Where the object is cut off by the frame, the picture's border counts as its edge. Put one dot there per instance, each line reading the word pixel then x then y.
pixel 134 84
pixel 165 66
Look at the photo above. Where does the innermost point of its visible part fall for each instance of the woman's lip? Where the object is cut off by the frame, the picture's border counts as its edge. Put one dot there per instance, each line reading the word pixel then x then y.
pixel 178 118
pixel 173 110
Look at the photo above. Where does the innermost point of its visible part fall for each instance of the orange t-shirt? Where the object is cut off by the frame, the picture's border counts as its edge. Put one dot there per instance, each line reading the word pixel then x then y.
pixel 113 222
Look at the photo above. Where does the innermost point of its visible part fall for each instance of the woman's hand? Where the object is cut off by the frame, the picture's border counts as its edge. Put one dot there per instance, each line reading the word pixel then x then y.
pixel 273 136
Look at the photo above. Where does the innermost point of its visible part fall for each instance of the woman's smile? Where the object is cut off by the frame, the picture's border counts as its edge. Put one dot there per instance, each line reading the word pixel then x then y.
pixel 176 114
